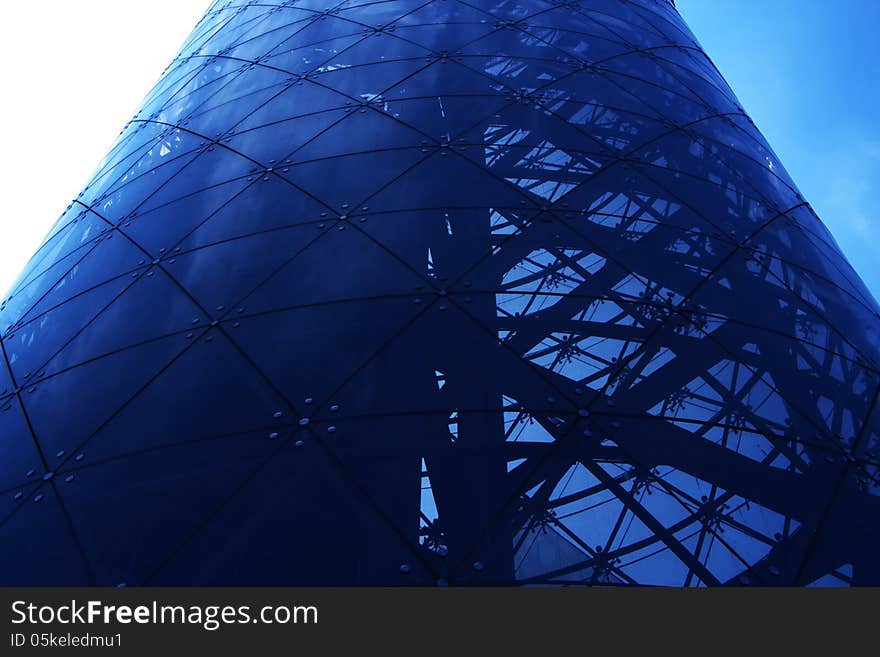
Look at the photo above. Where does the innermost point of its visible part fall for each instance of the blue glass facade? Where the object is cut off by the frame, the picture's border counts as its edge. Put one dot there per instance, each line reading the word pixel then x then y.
pixel 439 291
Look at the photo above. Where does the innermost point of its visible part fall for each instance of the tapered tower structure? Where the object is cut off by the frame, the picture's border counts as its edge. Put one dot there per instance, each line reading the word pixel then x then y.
pixel 440 291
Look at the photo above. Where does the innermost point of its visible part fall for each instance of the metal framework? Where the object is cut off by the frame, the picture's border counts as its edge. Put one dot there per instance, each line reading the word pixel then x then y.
pixel 440 291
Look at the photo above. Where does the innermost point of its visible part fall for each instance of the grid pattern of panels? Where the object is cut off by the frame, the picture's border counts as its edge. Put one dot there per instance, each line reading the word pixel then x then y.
pixel 440 291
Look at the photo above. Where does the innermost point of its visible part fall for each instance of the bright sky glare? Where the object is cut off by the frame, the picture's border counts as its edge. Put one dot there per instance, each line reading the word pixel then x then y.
pixel 74 73
pixel 805 70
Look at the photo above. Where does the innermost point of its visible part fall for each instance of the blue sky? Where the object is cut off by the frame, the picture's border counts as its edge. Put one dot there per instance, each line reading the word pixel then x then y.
pixel 808 73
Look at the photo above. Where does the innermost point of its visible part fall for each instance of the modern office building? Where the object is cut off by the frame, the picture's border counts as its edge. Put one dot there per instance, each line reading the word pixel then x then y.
pixel 427 292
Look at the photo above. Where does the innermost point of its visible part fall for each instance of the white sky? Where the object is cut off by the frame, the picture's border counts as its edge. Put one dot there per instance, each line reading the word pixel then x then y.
pixel 74 71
